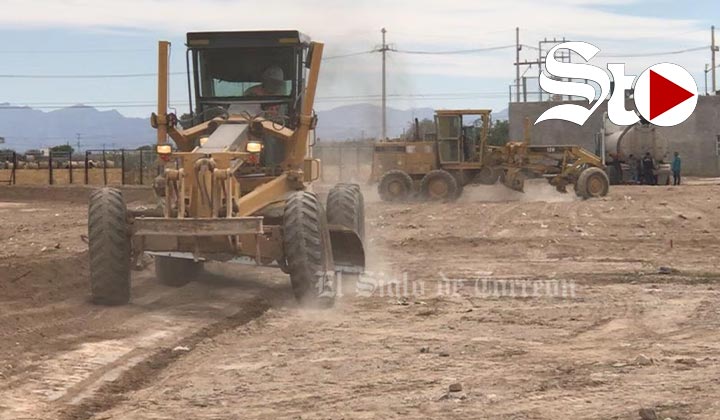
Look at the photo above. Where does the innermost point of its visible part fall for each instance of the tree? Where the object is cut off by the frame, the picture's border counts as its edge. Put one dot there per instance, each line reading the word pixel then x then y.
pixel 499 133
pixel 63 148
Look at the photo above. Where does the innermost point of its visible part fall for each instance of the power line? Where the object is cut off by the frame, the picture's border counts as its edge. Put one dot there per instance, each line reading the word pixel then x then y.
pixel 333 57
pixel 84 76
pixel 452 52
pixel 90 51
pixel 654 54
pixel 639 54
pixel 335 98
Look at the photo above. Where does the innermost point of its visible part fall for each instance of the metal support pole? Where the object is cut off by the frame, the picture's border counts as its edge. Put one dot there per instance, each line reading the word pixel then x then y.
pixel 50 169
pixel 14 168
pixel 517 64
pixel 141 167
pixel 122 167
pixel 340 164
pixel 384 99
pixel 104 168
pixel 357 161
pixel 87 167
pixel 70 167
pixel 714 49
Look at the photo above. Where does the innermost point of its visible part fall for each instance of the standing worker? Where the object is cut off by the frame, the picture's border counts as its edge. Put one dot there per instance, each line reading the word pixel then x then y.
pixel 634 167
pixel 648 168
pixel 676 166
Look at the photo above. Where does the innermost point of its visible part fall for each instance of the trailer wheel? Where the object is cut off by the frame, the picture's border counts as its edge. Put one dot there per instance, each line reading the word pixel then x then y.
pixel 346 207
pixel 592 183
pixel 395 185
pixel 109 243
pixel 439 185
pixel 176 272
pixel 306 244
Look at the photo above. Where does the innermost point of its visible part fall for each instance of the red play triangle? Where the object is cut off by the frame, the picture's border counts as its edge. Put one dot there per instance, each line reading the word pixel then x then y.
pixel 665 95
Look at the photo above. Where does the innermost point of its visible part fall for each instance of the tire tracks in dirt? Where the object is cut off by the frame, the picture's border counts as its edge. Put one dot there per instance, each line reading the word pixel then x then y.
pixel 143 373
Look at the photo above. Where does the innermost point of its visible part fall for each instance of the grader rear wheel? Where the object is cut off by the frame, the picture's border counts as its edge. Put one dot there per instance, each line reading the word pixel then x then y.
pixel 176 272
pixel 306 243
pixel 439 185
pixel 109 243
pixel 592 183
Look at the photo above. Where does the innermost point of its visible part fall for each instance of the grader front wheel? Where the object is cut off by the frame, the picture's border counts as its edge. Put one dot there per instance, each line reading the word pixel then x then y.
pixel 592 183
pixel 346 207
pixel 109 243
pixel 308 252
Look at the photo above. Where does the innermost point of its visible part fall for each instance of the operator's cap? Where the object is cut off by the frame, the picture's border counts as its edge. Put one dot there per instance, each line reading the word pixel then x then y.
pixel 273 73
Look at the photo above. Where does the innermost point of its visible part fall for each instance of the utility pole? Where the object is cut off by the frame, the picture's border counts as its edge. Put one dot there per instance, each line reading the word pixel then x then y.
pixel 707 69
pixel 384 109
pixel 517 64
pixel 714 49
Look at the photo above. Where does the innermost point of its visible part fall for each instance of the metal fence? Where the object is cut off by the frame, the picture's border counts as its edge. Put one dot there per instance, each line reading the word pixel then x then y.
pixel 344 162
pixel 8 163
pixel 341 162
pixel 94 167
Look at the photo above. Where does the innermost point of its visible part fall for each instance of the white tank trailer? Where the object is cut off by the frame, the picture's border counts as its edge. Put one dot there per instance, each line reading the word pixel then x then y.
pixel 638 139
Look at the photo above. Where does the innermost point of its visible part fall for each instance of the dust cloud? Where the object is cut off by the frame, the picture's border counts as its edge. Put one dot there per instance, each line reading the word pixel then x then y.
pixel 535 190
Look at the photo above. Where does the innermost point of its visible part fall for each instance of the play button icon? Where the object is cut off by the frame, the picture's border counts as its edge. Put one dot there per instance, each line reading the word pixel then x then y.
pixel 665 94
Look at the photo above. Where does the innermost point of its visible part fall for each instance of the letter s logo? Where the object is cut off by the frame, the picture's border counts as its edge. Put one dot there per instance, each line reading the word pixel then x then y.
pixel 570 112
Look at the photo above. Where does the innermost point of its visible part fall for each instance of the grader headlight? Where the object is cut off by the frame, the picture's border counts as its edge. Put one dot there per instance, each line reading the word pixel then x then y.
pixel 164 149
pixel 254 147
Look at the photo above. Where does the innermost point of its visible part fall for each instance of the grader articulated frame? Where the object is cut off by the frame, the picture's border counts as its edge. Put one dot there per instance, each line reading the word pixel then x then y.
pixel 236 185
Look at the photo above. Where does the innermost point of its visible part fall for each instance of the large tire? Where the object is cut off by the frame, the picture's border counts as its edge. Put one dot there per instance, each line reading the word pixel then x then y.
pixel 487 176
pixel 109 243
pixel 176 272
pixel 592 183
pixel 439 185
pixel 395 185
pixel 346 207
pixel 307 248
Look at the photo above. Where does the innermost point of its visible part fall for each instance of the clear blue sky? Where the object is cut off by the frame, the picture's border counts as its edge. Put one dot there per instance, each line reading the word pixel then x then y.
pixel 64 37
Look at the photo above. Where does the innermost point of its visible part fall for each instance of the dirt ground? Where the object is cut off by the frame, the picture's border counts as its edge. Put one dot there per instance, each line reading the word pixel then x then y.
pixel 536 306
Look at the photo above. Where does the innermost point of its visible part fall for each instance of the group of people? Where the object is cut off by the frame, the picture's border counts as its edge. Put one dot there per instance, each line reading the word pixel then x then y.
pixel 642 170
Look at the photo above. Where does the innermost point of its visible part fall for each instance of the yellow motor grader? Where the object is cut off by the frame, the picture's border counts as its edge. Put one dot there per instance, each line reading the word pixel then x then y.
pixel 236 182
pixel 458 154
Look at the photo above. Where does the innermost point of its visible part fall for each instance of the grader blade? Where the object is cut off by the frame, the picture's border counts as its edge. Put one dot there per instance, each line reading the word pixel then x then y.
pixel 347 248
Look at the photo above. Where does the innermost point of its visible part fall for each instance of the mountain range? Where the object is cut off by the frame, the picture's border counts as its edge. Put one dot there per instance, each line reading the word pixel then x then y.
pixel 26 128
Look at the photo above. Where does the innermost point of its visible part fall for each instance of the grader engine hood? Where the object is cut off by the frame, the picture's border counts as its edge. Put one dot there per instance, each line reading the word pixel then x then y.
pixel 227 138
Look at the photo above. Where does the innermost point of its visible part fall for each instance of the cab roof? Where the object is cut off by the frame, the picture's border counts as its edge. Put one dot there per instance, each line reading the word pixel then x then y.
pixel 241 39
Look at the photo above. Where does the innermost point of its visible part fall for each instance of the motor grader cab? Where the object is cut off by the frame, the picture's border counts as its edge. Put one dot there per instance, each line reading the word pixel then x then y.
pixel 460 155
pixel 236 181
pixel 459 142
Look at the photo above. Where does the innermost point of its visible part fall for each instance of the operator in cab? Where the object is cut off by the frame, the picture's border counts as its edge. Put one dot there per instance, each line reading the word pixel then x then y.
pixel 273 84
